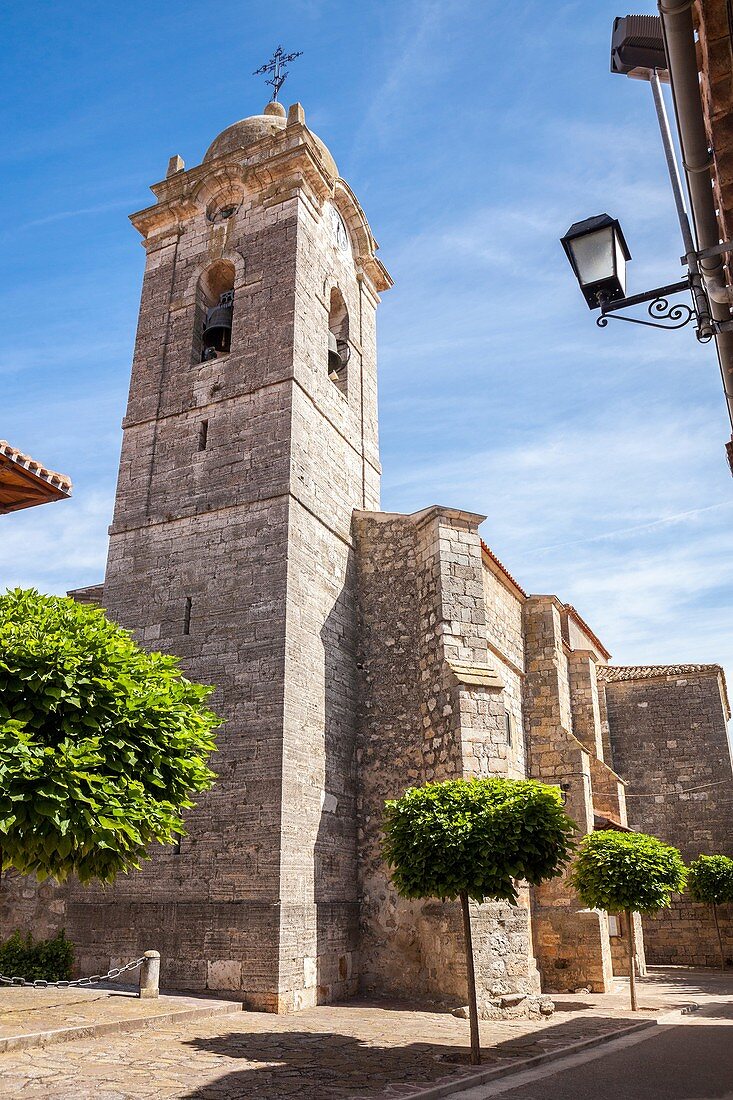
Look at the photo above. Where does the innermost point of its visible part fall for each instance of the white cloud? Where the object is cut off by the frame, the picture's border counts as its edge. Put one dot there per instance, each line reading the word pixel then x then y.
pixel 599 513
pixel 56 546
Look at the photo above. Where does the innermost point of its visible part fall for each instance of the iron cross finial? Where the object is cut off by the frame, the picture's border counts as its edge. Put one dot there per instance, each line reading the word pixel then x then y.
pixel 276 66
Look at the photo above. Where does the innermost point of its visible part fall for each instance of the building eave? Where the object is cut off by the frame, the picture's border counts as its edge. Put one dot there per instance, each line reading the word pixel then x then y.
pixel 25 482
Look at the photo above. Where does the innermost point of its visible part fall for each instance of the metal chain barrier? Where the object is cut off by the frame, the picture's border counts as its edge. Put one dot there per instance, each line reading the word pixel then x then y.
pixel 41 983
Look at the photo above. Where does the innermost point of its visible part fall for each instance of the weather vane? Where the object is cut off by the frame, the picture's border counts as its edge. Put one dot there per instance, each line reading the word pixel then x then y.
pixel 276 66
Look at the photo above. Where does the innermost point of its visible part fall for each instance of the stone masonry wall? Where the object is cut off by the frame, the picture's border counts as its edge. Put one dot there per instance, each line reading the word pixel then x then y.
pixel 334 468
pixel 421 606
pixel 506 641
pixel 251 532
pixel 670 744
pixel 572 944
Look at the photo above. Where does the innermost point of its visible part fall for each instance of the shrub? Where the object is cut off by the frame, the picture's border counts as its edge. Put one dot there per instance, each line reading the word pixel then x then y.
pixel 50 959
pixel 474 838
pixel 101 744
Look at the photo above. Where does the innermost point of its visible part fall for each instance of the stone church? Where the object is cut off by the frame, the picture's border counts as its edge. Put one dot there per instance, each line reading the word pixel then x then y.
pixel 355 652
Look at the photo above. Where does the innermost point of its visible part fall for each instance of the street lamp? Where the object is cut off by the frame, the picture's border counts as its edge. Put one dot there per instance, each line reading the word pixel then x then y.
pixel 598 254
pixel 596 247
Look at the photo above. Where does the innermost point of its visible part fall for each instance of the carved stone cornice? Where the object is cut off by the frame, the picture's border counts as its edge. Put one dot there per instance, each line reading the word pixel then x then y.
pixel 290 160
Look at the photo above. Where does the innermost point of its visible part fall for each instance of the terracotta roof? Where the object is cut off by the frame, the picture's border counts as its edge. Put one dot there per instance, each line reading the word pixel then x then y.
pixel 25 482
pixel 587 630
pixel 611 674
pixel 715 63
pixel 502 568
pixel 602 821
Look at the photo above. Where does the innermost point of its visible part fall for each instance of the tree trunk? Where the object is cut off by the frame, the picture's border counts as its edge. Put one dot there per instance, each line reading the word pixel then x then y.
pixel 632 960
pixel 720 939
pixel 472 1006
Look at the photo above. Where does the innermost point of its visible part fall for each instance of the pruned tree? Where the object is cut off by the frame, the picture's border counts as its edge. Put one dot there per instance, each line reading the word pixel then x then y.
pixel 102 745
pixel 710 881
pixel 625 872
pixel 474 839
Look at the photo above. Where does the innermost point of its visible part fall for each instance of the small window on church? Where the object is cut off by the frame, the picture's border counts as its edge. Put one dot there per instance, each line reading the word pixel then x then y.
pixel 187 615
pixel 509 727
pixel 214 312
pixel 203 434
pixel 338 342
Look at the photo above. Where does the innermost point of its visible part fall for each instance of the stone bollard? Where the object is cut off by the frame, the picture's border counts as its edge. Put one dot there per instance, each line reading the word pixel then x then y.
pixel 150 975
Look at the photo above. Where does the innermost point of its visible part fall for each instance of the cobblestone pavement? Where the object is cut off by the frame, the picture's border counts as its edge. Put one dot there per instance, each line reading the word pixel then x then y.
pixel 362 1049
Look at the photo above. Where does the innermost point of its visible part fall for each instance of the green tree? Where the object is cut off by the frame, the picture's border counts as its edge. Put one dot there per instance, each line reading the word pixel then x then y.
pixel 102 745
pixel 475 838
pixel 627 873
pixel 710 881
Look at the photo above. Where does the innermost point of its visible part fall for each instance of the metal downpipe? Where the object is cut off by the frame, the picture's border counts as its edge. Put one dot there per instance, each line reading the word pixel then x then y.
pixel 679 39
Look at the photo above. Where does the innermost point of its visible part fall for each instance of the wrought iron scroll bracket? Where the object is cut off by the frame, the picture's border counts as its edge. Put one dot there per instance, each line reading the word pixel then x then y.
pixel 667 316
pixel 663 314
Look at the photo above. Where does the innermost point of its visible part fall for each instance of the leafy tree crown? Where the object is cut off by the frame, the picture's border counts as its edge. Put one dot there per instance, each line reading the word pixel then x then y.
pixel 476 836
pixel 710 880
pixel 627 872
pixel 101 744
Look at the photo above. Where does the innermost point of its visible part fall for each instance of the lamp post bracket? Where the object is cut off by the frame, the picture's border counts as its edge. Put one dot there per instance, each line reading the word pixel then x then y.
pixel 707 253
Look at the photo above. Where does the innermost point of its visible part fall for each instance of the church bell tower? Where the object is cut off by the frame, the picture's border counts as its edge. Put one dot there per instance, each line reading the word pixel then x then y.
pixel 250 438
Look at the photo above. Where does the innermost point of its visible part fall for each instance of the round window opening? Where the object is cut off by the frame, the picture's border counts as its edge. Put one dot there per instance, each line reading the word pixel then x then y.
pixel 217 214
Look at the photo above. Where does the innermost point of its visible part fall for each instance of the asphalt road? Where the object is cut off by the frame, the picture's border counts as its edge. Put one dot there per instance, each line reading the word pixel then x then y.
pixel 689 1059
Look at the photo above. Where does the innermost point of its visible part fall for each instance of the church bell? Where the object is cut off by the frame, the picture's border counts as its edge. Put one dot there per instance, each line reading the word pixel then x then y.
pixel 338 355
pixel 217 335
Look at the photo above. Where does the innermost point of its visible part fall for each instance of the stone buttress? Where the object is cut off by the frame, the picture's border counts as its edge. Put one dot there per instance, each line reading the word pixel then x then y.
pixel 432 708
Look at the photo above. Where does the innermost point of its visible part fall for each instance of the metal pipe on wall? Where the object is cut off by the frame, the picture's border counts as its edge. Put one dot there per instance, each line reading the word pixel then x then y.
pixel 679 40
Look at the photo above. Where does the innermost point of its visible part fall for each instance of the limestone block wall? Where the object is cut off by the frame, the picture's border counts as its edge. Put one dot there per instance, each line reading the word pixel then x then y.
pixel 668 732
pixel 572 944
pixel 584 697
pixel 232 548
pixel 334 468
pixel 505 637
pixel 422 625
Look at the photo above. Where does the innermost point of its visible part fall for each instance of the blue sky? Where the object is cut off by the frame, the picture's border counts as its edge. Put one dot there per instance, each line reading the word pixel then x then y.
pixel 474 132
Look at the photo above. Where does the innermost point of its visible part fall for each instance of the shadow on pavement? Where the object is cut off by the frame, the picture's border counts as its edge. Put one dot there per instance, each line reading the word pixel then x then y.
pixel 331 1066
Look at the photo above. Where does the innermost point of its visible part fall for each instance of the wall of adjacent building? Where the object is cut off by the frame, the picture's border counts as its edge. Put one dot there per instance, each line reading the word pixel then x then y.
pixel 669 741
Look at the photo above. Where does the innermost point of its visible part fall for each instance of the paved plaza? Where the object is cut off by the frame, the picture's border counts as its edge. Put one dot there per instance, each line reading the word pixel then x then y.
pixel 367 1049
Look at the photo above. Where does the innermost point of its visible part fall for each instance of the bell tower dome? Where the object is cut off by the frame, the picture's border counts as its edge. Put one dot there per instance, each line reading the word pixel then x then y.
pixel 250 438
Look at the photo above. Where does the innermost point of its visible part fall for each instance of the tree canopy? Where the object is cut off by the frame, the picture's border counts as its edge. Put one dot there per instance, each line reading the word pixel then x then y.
pixel 627 872
pixel 710 880
pixel 476 836
pixel 473 838
pixel 102 745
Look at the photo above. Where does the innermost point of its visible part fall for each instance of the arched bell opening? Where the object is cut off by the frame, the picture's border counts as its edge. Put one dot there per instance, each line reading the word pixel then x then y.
pixel 214 312
pixel 338 341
